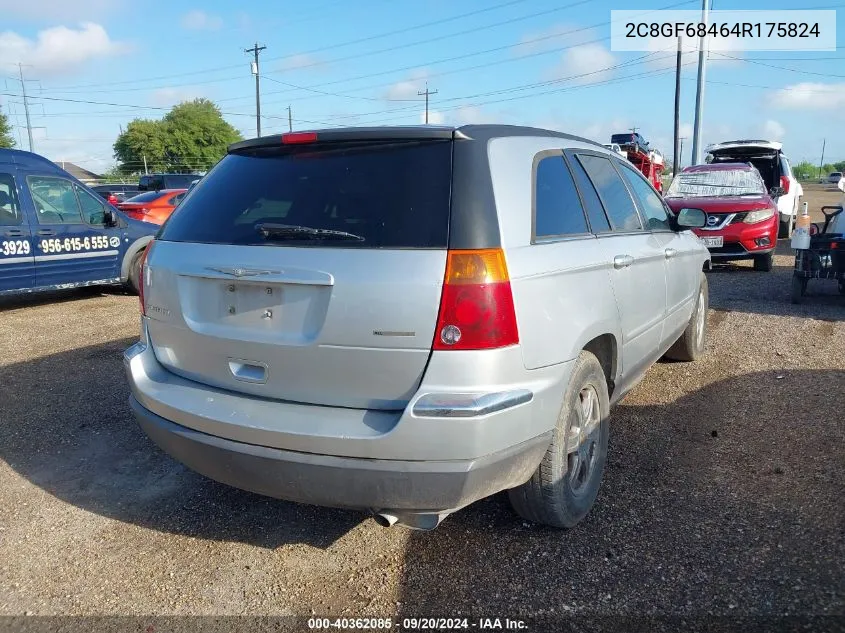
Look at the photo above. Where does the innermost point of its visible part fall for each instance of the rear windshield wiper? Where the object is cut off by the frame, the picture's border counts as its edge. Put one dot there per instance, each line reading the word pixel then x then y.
pixel 272 231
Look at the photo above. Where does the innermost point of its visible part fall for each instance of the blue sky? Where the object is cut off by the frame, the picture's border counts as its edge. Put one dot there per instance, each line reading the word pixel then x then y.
pixel 536 62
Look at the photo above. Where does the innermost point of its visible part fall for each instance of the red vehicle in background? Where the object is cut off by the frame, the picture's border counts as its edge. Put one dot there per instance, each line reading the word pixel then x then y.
pixel 153 206
pixel 742 219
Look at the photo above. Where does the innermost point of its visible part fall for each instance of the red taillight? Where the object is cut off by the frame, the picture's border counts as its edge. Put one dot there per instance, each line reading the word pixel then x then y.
pixel 784 183
pixel 294 138
pixel 142 272
pixel 476 306
pixel 112 199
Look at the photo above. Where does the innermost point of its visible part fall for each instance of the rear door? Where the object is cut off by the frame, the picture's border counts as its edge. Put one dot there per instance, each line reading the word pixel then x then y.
pixel 72 244
pixel 17 262
pixel 243 294
pixel 680 255
pixel 639 275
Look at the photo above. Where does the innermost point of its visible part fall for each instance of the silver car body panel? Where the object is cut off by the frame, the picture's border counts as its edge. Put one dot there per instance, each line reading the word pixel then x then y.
pixel 328 351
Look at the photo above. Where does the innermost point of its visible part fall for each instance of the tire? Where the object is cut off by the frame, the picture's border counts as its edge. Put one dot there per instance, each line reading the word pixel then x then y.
pixel 133 282
pixel 785 229
pixel 690 346
pixel 763 263
pixel 565 484
pixel 799 287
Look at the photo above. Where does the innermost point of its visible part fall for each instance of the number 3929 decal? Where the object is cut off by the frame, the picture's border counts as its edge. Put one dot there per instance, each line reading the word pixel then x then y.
pixel 75 244
pixel 15 247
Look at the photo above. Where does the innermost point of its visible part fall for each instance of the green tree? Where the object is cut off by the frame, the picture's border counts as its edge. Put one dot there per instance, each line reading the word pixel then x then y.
pixel 6 138
pixel 142 140
pixel 197 135
pixel 192 136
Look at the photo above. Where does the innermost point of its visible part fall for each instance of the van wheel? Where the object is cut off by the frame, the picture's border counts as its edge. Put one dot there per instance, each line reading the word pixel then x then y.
pixel 690 346
pixel 133 282
pixel 565 484
pixel 763 263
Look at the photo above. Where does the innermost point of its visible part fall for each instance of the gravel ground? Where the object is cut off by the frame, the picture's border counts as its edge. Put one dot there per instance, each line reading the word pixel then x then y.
pixel 723 491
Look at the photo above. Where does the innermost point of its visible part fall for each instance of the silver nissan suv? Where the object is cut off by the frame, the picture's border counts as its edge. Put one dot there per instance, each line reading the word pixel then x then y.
pixel 404 320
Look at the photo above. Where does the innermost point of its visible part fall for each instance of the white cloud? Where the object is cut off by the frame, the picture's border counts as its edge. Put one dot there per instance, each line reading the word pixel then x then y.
pixel 773 130
pixel 585 64
pixel 434 117
pixel 407 88
pixel 173 96
pixel 55 10
pixel 810 96
pixel 197 20
pixel 58 49
pixel 302 60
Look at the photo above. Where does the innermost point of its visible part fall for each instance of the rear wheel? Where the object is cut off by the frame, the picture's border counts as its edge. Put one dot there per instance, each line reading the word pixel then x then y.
pixel 691 344
pixel 763 263
pixel 565 484
pixel 799 287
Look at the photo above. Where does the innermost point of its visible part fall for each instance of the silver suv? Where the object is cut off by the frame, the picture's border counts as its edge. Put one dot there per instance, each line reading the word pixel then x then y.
pixel 406 320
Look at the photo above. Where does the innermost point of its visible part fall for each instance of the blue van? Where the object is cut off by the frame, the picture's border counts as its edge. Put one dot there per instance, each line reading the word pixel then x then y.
pixel 56 233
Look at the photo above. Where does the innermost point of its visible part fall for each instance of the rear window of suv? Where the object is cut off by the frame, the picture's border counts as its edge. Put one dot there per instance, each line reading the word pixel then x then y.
pixel 390 195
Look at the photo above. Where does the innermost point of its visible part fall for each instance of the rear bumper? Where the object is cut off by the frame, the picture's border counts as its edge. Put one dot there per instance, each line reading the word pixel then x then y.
pixel 400 487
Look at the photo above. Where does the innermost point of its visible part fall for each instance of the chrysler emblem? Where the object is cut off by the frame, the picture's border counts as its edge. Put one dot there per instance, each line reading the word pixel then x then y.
pixel 244 272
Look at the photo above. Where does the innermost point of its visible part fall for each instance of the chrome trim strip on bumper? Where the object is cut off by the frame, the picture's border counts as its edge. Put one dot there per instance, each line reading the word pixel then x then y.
pixel 468 405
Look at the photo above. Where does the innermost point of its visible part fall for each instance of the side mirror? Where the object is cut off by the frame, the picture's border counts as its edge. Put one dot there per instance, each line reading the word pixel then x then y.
pixel 691 219
pixel 109 217
pixel 776 192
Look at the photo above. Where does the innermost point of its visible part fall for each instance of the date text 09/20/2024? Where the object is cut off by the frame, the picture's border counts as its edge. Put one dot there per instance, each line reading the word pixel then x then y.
pixel 417 624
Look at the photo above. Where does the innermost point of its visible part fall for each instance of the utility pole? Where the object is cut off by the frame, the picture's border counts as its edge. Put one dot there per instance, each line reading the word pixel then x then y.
pixel 255 50
pixel 821 162
pixel 426 93
pixel 146 171
pixel 681 154
pixel 25 106
pixel 634 129
pixel 290 121
pixel 676 160
pixel 699 94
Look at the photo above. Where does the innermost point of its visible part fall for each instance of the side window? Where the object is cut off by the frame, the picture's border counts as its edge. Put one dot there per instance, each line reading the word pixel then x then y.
pixel 651 205
pixel 10 208
pixel 55 200
pixel 557 207
pixel 785 168
pixel 174 200
pixel 592 204
pixel 613 193
pixel 92 209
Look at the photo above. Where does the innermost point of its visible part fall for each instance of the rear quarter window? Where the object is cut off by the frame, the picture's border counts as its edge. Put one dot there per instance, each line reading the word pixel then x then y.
pixel 557 207
pixel 391 195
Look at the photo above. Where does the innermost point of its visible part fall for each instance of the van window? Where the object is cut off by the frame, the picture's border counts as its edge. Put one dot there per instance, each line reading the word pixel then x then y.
pixel 557 208
pixel 589 197
pixel 10 208
pixel 613 193
pixel 55 201
pixel 651 205
pixel 392 195
pixel 92 209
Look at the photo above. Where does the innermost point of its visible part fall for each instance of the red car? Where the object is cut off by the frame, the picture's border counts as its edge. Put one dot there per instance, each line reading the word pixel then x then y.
pixel 152 206
pixel 742 218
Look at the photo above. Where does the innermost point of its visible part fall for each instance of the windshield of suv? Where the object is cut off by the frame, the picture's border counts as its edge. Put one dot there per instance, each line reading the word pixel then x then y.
pixel 716 183
pixel 393 195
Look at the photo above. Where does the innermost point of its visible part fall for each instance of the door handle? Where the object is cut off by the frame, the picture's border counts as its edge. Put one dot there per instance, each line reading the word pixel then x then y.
pixel 670 253
pixel 622 261
pixel 13 233
pixel 45 232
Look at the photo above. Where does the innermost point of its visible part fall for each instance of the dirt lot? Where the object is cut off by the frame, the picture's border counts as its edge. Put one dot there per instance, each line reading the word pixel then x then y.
pixel 722 496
